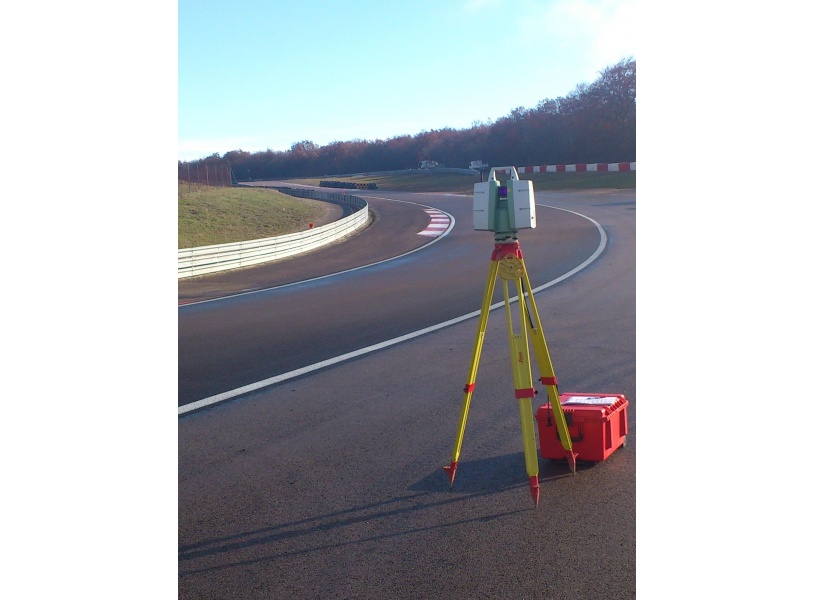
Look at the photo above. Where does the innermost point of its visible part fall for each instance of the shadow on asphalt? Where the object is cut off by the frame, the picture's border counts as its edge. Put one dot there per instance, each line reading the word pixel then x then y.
pixel 495 474
pixel 477 478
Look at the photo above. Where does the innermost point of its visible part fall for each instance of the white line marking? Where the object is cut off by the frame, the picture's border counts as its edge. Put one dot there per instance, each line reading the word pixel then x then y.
pixel 427 245
pixel 381 345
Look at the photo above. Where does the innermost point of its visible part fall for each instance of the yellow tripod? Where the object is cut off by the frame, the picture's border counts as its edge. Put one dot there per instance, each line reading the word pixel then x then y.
pixel 507 262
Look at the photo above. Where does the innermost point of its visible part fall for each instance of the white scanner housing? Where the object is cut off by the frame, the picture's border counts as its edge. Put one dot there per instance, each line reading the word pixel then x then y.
pixel 504 208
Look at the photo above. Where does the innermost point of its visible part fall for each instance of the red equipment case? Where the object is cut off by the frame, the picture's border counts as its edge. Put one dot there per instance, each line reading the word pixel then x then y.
pixel 597 424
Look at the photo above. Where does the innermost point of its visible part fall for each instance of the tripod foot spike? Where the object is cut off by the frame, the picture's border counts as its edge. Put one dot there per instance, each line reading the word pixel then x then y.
pixel 572 461
pixel 534 486
pixel 451 472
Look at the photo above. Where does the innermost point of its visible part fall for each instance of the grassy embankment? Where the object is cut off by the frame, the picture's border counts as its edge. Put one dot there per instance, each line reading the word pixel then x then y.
pixel 216 215
pixel 209 215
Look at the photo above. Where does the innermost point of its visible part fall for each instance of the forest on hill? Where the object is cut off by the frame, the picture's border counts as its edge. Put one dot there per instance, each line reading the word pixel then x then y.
pixel 594 123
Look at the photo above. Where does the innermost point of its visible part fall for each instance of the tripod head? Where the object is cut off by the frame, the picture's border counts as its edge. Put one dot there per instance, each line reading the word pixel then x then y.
pixel 504 208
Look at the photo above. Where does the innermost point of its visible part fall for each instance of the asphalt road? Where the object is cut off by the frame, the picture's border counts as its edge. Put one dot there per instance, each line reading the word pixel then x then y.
pixel 329 485
pixel 250 337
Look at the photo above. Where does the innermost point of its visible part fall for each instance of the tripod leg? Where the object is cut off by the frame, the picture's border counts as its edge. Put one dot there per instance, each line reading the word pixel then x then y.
pixel 473 370
pixel 523 389
pixel 548 379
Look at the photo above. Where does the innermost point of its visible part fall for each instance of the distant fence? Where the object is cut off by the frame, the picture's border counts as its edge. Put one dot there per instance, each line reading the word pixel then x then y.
pixel 212 175
pixel 222 257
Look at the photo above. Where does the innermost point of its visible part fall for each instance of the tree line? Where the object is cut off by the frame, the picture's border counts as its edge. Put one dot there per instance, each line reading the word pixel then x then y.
pixel 594 123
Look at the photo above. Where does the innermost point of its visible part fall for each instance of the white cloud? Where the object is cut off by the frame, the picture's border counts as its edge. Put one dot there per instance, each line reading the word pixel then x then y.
pixel 616 38
pixel 601 31
pixel 562 43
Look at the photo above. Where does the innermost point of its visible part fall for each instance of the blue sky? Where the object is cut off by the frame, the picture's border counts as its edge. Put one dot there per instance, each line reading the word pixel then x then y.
pixel 257 75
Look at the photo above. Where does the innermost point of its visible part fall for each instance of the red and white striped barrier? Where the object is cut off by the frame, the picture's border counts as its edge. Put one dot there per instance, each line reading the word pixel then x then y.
pixel 578 168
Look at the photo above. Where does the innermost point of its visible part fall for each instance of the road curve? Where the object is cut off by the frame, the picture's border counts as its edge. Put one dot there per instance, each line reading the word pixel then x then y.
pixel 247 338
pixel 329 485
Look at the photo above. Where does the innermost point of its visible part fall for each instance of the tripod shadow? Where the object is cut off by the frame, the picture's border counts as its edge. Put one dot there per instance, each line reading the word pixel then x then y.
pixel 478 478
pixel 495 475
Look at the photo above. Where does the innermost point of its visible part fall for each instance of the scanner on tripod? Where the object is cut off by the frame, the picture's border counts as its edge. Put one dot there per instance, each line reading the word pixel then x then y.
pixel 504 208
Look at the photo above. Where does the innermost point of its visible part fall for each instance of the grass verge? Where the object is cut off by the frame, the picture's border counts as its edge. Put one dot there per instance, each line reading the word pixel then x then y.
pixel 214 215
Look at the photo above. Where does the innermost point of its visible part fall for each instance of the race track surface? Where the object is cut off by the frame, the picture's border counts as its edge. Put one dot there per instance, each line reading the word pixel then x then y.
pixel 329 484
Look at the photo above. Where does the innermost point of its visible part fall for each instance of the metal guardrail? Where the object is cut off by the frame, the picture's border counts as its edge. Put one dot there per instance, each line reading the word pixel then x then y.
pixel 211 259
